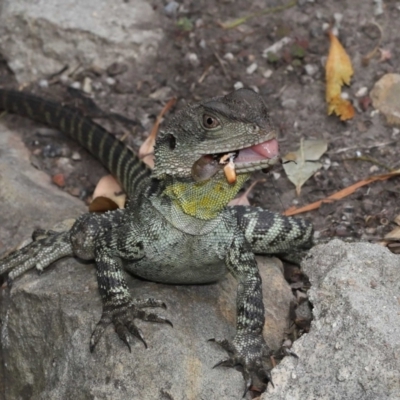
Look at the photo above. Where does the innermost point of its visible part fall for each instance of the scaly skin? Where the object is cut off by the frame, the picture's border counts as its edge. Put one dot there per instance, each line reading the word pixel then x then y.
pixel 176 227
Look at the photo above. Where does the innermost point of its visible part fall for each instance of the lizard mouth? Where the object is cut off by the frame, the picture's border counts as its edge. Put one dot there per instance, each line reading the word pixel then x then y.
pixel 260 156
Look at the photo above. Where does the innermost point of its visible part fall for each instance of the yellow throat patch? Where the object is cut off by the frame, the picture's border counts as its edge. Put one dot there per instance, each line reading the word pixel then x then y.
pixel 204 200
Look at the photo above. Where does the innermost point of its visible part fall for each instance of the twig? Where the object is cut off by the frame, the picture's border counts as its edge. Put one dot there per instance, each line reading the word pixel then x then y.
pixel 341 193
pixel 221 63
pixel 371 160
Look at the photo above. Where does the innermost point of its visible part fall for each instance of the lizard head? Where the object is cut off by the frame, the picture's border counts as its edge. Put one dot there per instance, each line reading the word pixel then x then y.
pixel 217 138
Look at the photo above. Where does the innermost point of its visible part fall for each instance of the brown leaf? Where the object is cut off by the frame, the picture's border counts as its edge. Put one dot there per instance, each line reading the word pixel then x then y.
pixel 243 199
pixel 339 71
pixel 102 204
pixel 110 189
pixel 146 151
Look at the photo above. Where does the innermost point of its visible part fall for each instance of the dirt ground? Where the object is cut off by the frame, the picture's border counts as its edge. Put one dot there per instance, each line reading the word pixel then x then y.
pixel 199 59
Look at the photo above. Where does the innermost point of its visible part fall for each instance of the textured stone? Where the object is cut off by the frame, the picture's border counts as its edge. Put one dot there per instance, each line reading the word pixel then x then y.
pixel 353 348
pixel 40 37
pixel 47 320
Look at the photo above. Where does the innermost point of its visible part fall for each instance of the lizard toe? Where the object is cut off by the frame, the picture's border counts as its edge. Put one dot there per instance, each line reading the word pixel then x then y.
pixel 248 352
pixel 122 315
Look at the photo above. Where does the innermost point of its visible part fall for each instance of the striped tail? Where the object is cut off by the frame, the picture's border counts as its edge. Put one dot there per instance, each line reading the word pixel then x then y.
pixel 111 152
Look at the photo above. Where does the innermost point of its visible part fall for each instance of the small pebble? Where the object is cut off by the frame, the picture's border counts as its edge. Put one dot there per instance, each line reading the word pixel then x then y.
pixel 51 151
pixel 110 81
pixel 362 91
pixel 378 9
pixel 76 156
pixel 238 85
pixel 193 59
pixel 76 85
pixel 276 175
pixel 289 104
pixel 255 88
pixel 229 56
pixel 171 9
pixel 311 69
pixel 268 73
pixel 251 68
pixel 87 85
pixel 44 83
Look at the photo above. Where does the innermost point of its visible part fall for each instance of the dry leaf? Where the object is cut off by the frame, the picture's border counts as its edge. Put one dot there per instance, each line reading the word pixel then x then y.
pixel 339 71
pixel 108 188
pixel 394 234
pixel 146 152
pixel 102 204
pixel 243 199
pixel 304 162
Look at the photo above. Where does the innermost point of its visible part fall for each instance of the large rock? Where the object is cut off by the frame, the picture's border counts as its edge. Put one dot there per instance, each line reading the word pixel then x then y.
pixel 41 37
pixel 47 320
pixel 353 348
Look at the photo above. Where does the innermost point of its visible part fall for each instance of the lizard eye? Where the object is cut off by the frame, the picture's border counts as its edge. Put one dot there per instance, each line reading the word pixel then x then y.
pixel 210 122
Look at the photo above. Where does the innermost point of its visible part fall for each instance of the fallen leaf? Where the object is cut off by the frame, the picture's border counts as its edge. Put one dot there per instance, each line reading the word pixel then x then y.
pixel 146 151
pixel 109 188
pixel 243 199
pixel 341 193
pixel 394 234
pixel 303 163
pixel 102 204
pixel 339 71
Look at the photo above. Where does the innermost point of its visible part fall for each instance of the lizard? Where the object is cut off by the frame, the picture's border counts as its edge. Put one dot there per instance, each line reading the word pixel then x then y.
pixel 176 227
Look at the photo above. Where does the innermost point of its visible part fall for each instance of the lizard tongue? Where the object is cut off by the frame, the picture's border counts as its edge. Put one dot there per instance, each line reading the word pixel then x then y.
pixel 268 149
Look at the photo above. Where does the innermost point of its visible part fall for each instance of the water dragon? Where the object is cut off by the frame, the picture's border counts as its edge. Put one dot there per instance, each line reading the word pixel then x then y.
pixel 176 227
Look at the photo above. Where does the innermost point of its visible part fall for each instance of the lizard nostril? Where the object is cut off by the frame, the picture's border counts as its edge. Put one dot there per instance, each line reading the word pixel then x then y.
pixel 171 142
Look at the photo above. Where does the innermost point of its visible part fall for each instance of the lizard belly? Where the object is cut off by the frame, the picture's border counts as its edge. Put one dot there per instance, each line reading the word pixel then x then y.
pixel 178 258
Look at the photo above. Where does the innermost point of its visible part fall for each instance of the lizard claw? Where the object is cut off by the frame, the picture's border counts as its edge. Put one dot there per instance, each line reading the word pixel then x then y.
pixel 122 315
pixel 248 351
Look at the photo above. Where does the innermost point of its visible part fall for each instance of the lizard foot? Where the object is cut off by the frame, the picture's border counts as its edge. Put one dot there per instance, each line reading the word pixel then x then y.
pixel 122 315
pixel 38 254
pixel 248 351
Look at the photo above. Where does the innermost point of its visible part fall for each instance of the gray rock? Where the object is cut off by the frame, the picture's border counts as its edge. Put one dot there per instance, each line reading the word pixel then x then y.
pixel 353 348
pixel 41 37
pixel 47 320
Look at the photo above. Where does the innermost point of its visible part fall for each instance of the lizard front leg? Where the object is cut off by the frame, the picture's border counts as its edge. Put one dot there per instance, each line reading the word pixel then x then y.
pixel 274 234
pixel 49 246
pixel 119 308
pixel 248 348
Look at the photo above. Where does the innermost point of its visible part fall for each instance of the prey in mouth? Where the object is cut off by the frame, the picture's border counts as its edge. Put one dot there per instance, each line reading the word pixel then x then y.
pixel 261 156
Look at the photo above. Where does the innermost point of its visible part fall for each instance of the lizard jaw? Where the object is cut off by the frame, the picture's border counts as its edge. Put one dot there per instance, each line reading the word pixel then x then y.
pixel 261 156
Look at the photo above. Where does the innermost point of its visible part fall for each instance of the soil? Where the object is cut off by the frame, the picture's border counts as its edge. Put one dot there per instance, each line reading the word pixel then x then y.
pixel 199 59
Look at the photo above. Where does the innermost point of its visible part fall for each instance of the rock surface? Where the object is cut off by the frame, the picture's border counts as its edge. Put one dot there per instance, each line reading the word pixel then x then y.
pixel 353 348
pixel 41 37
pixel 47 320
